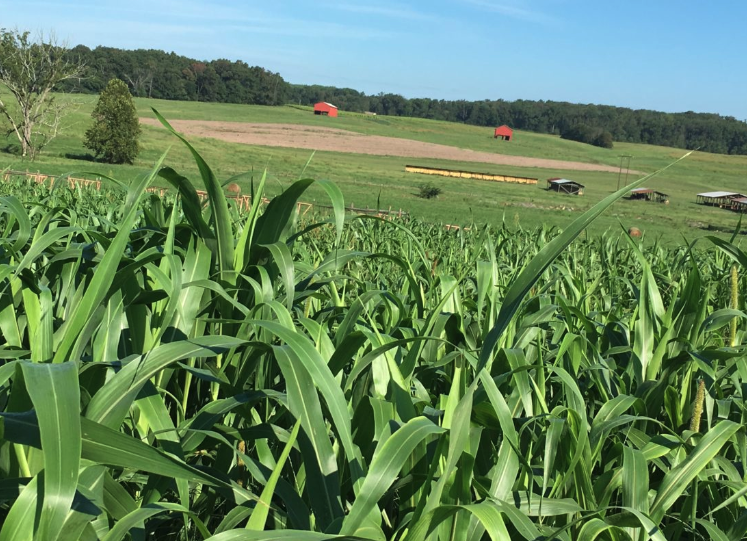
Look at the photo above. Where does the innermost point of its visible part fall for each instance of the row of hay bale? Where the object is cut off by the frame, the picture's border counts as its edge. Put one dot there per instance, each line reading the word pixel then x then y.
pixel 468 174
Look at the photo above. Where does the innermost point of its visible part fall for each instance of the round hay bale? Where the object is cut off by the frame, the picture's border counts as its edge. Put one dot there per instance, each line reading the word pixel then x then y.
pixel 234 189
pixel 635 232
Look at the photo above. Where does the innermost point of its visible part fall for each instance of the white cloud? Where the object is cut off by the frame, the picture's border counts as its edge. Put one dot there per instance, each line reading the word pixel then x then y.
pixel 311 29
pixel 391 11
pixel 184 24
pixel 514 9
pixel 160 11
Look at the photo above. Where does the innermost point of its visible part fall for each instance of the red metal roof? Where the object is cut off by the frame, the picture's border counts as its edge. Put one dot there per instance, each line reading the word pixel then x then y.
pixel 323 106
pixel 504 130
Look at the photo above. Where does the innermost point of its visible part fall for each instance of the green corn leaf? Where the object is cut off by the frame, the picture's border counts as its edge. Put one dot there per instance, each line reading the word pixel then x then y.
pixel 385 467
pixel 123 526
pixel 303 402
pixel 102 445
pixel 597 528
pixel 19 522
pixel 678 479
pixel 55 394
pixel 323 379
pixel 713 531
pixel 280 535
pixel 259 515
pixel 220 217
pixel 97 289
pixel 11 205
pixel 284 261
pixel 110 404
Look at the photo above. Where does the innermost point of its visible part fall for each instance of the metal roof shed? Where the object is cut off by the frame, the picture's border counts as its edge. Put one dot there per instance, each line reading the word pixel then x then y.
pixel 647 194
pixel 324 108
pixel 563 185
pixel 504 132
pixel 718 199
pixel 739 204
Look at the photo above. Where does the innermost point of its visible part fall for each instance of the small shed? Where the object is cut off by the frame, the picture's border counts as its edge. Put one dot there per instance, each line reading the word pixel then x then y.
pixel 324 108
pixel 647 194
pixel 504 132
pixel 563 185
pixel 718 199
pixel 739 204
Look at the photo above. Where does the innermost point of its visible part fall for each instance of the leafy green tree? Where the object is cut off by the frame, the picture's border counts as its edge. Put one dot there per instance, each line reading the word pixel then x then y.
pixel 115 131
pixel 603 139
pixel 587 134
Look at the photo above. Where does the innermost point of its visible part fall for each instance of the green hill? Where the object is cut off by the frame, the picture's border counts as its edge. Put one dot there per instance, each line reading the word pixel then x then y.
pixel 381 180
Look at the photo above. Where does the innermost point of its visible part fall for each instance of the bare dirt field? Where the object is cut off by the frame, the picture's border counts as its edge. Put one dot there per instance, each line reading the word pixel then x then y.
pixel 336 140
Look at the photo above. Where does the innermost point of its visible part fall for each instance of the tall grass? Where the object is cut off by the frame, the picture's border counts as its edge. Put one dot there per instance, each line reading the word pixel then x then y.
pixel 178 371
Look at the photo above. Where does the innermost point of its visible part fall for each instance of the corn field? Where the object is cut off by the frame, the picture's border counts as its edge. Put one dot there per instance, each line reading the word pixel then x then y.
pixel 178 371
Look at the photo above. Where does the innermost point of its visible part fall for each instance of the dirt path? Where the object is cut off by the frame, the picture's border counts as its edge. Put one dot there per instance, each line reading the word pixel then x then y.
pixel 336 140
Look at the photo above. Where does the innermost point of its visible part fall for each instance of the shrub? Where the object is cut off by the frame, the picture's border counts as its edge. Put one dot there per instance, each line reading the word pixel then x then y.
pixel 604 140
pixel 429 191
pixel 589 135
pixel 114 135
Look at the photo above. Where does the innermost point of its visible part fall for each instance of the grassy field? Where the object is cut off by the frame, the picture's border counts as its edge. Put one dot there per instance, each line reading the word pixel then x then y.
pixel 381 181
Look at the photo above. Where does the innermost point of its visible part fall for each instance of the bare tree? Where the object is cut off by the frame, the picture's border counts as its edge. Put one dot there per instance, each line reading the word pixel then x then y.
pixel 141 79
pixel 30 70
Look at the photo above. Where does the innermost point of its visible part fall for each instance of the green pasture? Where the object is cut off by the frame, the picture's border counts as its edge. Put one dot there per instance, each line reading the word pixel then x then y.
pixel 376 181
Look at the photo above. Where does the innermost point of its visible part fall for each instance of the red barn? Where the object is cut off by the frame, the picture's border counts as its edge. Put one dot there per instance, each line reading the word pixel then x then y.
pixel 504 132
pixel 324 108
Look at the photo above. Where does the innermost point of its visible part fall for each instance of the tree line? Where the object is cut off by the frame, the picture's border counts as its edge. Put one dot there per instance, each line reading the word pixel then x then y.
pixel 157 74
pixel 704 131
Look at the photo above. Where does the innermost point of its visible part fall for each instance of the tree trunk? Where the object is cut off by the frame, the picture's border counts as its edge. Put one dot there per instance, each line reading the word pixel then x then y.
pixel 26 139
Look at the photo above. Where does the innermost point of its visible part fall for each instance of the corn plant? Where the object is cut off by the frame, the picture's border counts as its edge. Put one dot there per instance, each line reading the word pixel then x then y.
pixel 179 370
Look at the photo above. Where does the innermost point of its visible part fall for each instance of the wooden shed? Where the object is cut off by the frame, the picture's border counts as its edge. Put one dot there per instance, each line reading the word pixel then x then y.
pixel 504 132
pixel 324 108
pixel 739 204
pixel 563 185
pixel 647 194
pixel 718 199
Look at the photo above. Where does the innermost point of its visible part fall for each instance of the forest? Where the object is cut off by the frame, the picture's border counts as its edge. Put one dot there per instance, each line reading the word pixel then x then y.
pixel 158 74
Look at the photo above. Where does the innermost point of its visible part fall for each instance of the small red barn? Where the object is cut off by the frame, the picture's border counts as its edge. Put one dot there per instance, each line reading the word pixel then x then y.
pixel 504 132
pixel 324 108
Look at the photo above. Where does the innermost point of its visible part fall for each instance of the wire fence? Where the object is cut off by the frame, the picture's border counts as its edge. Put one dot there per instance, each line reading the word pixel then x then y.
pixel 42 178
pixel 243 202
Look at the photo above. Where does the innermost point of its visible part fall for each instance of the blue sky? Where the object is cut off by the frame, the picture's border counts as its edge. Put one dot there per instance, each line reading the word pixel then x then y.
pixel 655 54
